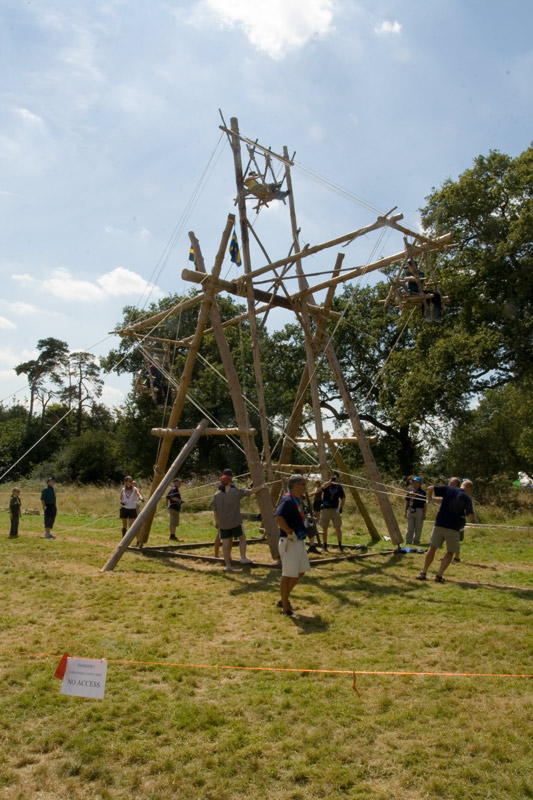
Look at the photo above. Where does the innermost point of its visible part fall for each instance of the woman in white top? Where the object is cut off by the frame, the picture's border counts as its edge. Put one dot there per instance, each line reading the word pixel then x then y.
pixel 129 500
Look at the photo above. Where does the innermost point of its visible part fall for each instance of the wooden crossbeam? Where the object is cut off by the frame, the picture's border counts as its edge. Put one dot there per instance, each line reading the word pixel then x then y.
pixel 170 432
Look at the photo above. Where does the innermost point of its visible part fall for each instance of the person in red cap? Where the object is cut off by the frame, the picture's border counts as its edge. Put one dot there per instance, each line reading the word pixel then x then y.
pixel 228 517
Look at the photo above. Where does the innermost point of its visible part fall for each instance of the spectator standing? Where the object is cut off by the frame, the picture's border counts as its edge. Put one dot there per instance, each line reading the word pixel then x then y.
pixel 415 511
pixel 49 504
pixel 333 498
pixel 174 501
pixel 449 521
pixel 15 512
pixel 290 518
pixel 129 500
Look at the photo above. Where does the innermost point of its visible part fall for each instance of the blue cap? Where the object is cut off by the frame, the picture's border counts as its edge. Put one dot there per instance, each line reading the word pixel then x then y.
pixel 417 479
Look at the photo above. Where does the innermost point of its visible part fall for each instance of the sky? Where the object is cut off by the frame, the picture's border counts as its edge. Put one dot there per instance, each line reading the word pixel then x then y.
pixel 110 148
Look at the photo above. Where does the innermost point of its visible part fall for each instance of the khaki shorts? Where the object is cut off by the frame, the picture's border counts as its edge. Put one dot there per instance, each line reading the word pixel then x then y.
pixel 328 515
pixel 174 516
pixel 294 558
pixel 451 537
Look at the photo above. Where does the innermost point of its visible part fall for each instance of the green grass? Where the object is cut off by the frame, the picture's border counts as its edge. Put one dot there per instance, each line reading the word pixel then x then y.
pixel 166 731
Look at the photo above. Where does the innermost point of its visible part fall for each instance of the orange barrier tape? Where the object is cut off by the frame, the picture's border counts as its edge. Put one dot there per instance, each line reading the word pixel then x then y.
pixel 353 672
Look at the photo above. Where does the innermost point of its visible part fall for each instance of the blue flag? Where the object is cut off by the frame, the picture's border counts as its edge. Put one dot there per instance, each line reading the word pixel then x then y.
pixel 234 252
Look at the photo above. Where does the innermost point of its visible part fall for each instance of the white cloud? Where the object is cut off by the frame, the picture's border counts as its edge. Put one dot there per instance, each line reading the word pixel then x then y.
pixel 6 324
pixel 111 396
pixel 121 281
pixel 7 356
pixel 387 27
pixel 25 279
pixel 275 26
pixel 6 194
pixel 118 282
pixel 21 308
pixel 113 231
pixel 29 116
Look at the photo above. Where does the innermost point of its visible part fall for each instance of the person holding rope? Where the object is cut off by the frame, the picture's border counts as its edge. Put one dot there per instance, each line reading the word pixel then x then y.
pixel 48 502
pixel 448 523
pixel 228 517
pixel 291 521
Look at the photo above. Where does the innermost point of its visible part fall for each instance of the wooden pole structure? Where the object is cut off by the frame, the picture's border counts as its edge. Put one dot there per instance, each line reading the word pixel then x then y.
pixel 250 448
pixel 309 351
pixel 181 394
pixel 245 242
pixel 151 505
pixel 373 531
pixel 291 429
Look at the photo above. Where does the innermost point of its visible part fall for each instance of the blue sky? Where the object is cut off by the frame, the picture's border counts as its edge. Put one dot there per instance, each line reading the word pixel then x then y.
pixel 109 116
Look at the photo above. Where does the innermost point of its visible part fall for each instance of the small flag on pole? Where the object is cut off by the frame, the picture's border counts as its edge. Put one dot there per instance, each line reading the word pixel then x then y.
pixel 234 252
pixel 191 256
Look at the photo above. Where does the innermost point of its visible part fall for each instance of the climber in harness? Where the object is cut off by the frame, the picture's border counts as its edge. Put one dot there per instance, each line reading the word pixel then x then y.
pixel 265 192
pixel 414 280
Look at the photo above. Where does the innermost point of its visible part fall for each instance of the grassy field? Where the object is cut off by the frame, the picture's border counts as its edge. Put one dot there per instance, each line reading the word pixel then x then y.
pixel 164 731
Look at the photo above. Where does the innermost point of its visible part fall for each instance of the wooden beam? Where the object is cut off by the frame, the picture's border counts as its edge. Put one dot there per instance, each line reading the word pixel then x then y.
pixel 317 248
pixel 436 244
pixel 172 432
pixel 235 288
pixel 156 318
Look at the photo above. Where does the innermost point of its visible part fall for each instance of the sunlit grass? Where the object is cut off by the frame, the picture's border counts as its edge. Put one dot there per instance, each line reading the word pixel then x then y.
pixel 167 731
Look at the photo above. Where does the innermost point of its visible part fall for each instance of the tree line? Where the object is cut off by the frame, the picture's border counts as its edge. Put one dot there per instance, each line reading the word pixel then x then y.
pixel 449 397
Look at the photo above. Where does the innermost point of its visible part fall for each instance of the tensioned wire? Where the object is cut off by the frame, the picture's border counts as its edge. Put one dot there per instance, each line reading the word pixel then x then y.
pixel 169 247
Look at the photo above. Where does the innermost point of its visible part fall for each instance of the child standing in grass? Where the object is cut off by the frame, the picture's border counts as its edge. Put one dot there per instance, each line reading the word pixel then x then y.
pixel 15 512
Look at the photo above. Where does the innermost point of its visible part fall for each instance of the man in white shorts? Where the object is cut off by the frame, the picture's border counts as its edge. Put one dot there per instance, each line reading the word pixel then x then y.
pixel 290 518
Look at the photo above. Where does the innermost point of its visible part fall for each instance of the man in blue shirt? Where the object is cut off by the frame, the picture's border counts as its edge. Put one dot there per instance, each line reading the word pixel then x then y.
pixel 290 518
pixel 48 502
pixel 449 521
pixel 333 498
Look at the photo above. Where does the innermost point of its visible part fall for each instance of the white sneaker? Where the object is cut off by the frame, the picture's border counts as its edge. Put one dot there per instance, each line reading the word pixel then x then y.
pixel 49 536
pixel 246 561
pixel 228 568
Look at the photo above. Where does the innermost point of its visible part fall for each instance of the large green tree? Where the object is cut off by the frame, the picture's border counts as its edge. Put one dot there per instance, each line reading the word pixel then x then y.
pixel 414 380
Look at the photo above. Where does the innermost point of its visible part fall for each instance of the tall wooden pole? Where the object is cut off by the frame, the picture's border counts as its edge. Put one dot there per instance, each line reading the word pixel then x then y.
pixel 183 388
pixel 310 353
pixel 246 260
pixel 291 429
pixel 250 448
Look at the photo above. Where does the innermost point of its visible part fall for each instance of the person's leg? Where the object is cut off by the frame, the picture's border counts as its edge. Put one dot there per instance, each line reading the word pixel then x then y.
pixel 325 536
pixel 285 588
pixel 242 550
pixel 14 528
pixel 338 531
pixel 430 555
pixel 444 564
pixel 418 523
pixel 227 544
pixel 410 528
pixel 217 544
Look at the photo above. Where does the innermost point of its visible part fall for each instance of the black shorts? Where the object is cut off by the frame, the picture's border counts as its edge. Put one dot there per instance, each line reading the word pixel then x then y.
pixel 232 533
pixel 128 513
pixel 50 516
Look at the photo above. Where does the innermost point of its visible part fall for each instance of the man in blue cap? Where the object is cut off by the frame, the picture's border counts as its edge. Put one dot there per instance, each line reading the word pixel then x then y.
pixel 415 511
